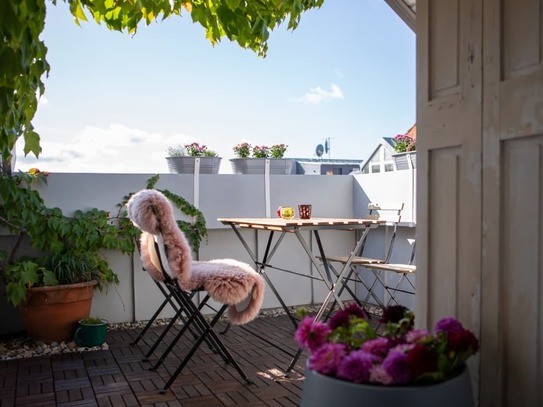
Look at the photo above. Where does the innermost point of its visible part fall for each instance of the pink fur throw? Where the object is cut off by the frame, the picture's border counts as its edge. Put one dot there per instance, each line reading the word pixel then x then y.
pixel 226 280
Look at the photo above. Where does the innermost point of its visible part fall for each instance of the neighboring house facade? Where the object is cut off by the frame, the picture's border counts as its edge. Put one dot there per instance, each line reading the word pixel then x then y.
pixel 382 158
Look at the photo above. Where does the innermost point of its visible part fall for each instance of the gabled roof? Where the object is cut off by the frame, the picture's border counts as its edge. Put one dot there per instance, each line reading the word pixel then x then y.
pixel 388 143
pixel 412 132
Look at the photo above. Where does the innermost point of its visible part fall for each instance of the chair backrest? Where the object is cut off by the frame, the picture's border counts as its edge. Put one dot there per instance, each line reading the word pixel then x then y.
pixel 391 213
pixel 164 247
pixel 158 256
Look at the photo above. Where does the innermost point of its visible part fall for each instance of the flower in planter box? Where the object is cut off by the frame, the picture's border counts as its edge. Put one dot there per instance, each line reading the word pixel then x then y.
pixel 242 150
pixel 278 150
pixel 261 152
pixel 404 143
pixel 348 348
pixel 191 150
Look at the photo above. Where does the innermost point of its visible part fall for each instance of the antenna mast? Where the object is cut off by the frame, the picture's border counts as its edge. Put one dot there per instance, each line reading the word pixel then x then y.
pixel 327 146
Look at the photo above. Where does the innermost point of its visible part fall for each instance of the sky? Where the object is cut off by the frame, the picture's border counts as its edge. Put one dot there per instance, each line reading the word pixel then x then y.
pixel 115 102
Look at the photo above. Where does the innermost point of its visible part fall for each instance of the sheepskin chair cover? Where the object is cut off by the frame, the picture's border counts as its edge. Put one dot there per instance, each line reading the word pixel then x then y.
pixel 152 213
pixel 227 281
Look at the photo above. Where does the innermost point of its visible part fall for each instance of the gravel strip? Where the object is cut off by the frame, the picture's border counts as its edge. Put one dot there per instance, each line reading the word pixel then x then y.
pixel 23 347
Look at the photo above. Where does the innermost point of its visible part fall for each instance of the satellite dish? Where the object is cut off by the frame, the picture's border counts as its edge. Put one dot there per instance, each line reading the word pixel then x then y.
pixel 320 150
pixel 327 145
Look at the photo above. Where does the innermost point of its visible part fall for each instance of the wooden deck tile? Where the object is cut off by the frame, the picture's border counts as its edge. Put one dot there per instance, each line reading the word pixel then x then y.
pixel 119 377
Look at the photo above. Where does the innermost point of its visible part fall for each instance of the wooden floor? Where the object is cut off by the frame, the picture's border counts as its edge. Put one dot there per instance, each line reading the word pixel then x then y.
pixel 119 377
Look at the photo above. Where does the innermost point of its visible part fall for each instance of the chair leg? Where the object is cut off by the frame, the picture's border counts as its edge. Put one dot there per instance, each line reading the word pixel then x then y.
pixel 183 300
pixel 178 315
pixel 340 291
pixel 207 331
pixel 168 300
pixel 392 291
pixel 344 286
pixel 163 335
pixel 370 289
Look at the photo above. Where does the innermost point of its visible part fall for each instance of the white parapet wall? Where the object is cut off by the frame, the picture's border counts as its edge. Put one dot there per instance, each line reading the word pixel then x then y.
pixel 227 195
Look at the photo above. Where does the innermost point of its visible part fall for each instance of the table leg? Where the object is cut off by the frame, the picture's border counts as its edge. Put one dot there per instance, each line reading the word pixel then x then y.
pixel 327 282
pixel 261 266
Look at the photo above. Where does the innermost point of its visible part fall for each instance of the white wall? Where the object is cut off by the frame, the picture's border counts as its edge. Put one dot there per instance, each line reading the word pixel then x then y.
pixel 226 195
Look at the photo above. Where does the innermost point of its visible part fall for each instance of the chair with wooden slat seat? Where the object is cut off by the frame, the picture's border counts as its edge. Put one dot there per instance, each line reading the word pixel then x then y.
pixel 403 269
pixel 391 213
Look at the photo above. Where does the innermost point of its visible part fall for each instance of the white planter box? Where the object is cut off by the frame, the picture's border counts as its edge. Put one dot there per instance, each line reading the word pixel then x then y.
pixel 405 161
pixel 257 165
pixel 185 165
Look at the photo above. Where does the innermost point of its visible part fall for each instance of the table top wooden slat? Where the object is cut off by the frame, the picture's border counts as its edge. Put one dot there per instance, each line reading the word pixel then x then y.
pixel 280 224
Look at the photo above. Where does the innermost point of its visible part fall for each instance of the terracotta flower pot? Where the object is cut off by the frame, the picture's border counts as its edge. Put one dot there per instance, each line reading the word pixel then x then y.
pixel 51 313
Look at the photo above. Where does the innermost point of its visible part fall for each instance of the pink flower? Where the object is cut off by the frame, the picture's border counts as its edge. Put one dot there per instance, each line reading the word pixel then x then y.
pixel 448 325
pixel 311 334
pixel 396 365
pixel 422 359
pixel 462 340
pixel 342 317
pixel 356 367
pixel 379 375
pixel 416 335
pixel 378 347
pixel 327 358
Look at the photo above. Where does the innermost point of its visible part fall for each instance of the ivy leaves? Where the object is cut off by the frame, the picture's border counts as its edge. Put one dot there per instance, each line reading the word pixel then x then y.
pixel 22 66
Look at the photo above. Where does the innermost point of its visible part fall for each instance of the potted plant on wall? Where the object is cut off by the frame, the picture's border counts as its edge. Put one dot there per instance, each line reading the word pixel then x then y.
pixel 404 366
pixel 53 285
pixel 252 159
pixel 405 156
pixel 182 158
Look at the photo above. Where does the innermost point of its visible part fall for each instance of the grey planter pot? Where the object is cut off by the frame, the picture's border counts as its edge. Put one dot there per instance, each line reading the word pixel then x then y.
pixel 324 391
pixel 185 165
pixel 404 161
pixel 257 165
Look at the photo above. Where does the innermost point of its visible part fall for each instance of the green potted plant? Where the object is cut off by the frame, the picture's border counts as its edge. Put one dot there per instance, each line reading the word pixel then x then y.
pixel 252 159
pixel 90 331
pixel 182 158
pixel 65 264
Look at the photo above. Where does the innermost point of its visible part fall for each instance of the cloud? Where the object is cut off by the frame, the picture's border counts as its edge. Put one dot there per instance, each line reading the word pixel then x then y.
pixel 317 95
pixel 115 149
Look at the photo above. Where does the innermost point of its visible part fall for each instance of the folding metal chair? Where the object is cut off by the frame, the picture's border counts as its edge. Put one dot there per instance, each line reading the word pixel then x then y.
pixel 391 213
pixel 166 256
pixel 402 285
pixel 167 301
